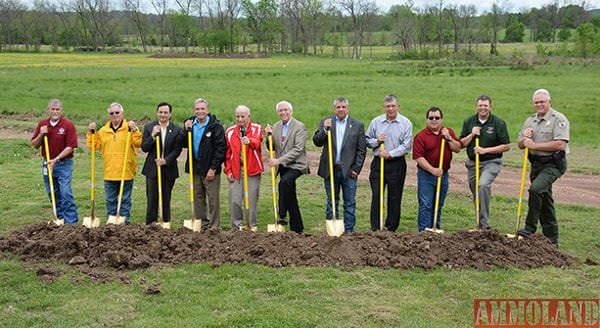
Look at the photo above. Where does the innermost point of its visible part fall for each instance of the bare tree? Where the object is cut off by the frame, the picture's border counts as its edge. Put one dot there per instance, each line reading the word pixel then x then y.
pixel 261 18
pixel 95 21
pixel 161 7
pixel 361 13
pixel 404 25
pixel 303 15
pixel 496 16
pixel 10 11
pixel 460 19
pixel 134 12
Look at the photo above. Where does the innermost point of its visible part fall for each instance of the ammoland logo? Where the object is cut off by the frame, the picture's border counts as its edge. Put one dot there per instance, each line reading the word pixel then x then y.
pixel 539 313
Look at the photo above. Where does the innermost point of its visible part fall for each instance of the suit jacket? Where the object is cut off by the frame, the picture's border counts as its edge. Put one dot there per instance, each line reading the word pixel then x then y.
pixel 354 147
pixel 212 148
pixel 170 151
pixel 291 152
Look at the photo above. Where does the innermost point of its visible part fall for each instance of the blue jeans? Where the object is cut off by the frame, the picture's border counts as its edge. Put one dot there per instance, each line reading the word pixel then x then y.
pixel 427 184
pixel 348 186
pixel 111 190
pixel 62 174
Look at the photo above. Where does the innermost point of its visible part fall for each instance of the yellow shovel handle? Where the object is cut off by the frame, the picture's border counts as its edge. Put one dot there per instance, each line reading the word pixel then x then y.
pixel 191 168
pixel 522 187
pixel 439 185
pixel 331 178
pixel 477 204
pixel 120 199
pixel 274 190
pixel 50 179
pixel 381 189
pixel 159 176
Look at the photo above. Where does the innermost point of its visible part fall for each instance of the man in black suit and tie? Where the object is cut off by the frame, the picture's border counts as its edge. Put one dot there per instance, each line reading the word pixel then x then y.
pixel 171 137
pixel 348 149
pixel 289 145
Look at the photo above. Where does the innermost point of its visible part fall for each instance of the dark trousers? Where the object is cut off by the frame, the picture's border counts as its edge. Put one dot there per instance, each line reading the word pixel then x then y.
pixel 393 179
pixel 152 197
pixel 541 203
pixel 288 202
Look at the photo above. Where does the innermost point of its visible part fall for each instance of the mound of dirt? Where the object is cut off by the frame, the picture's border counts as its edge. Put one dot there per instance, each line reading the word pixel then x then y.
pixel 139 246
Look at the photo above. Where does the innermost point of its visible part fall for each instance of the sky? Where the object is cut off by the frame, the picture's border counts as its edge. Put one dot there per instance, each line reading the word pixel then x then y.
pixel 486 5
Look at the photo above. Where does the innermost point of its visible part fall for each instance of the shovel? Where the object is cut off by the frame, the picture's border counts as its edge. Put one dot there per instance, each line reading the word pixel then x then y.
pixel 246 196
pixel 57 221
pixel 118 219
pixel 334 226
pixel 92 221
pixel 275 227
pixel 437 193
pixel 520 206
pixel 381 189
pixel 162 223
pixel 193 224
pixel 477 201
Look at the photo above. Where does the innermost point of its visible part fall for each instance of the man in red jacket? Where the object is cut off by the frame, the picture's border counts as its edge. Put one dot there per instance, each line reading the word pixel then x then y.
pixel 250 135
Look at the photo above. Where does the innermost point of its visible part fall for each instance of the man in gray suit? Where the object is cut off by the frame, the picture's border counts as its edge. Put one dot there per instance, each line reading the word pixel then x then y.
pixel 348 149
pixel 289 145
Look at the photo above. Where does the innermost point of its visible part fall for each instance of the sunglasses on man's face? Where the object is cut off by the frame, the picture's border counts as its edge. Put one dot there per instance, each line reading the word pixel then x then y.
pixel 434 118
pixel 114 113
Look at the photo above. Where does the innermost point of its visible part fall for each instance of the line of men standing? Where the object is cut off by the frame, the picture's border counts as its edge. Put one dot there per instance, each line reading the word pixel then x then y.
pixel 546 133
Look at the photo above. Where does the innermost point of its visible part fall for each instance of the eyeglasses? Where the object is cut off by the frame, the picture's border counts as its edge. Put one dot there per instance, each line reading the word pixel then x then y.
pixel 114 113
pixel 434 118
pixel 539 102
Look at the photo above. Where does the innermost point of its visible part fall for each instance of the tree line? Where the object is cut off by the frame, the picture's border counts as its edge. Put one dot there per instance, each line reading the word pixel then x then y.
pixel 286 26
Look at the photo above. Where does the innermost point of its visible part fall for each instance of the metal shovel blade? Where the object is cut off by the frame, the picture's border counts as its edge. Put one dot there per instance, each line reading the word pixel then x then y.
pixel 90 222
pixel 335 228
pixel 113 219
pixel 165 225
pixel 194 225
pixel 59 222
pixel 439 231
pixel 275 228
pixel 511 236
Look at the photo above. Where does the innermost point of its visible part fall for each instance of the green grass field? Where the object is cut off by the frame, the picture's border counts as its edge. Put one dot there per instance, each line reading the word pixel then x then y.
pixel 254 296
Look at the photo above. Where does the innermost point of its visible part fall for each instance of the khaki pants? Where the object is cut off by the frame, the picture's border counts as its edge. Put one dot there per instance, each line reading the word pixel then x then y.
pixel 209 212
pixel 237 203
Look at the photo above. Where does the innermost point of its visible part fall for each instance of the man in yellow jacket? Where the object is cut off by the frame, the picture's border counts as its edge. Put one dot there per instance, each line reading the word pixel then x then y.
pixel 111 139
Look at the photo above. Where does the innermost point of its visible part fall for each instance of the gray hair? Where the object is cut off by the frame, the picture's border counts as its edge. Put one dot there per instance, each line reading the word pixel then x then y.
pixel 542 91
pixel 53 102
pixel 341 100
pixel 201 100
pixel 115 104
pixel 390 98
pixel 244 108
pixel 284 103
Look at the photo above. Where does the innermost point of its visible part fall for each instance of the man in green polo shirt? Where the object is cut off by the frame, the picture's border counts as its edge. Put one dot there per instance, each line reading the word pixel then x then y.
pixel 493 141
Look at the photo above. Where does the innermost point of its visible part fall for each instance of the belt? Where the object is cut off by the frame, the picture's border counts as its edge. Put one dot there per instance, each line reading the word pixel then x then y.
pixel 393 159
pixel 337 167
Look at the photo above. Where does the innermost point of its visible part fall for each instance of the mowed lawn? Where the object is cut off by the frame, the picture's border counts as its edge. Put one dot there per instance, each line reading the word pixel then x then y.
pixel 240 295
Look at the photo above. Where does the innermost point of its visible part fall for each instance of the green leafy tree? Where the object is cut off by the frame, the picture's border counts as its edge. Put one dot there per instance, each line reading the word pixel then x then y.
pixel 515 31
pixel 587 40
pixel 564 34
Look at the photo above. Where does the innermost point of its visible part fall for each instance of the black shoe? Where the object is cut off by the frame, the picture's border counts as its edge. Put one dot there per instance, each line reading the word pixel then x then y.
pixel 484 227
pixel 525 233
pixel 282 221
